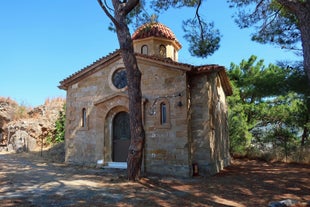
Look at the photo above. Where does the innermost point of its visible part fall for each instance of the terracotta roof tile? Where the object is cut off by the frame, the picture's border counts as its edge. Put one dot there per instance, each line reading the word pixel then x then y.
pixel 154 30
pixel 221 72
pixel 165 60
pixel 207 68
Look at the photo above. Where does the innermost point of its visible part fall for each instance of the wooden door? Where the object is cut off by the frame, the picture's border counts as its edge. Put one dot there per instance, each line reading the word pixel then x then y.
pixel 121 137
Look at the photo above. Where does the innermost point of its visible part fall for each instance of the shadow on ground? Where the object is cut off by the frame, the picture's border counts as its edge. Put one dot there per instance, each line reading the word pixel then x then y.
pixel 28 180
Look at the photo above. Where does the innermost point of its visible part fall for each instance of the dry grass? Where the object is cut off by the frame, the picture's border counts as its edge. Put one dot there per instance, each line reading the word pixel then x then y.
pixel 21 111
pixel 49 101
pixel 15 110
pixel 8 100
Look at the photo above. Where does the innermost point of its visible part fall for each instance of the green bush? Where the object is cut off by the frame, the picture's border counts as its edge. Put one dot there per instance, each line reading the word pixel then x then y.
pixel 58 134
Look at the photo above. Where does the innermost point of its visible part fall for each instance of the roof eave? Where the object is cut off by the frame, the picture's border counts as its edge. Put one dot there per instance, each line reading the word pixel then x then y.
pixel 90 69
pixel 221 72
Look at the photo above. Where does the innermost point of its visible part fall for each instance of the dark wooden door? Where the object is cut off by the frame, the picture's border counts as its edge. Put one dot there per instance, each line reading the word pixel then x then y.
pixel 121 137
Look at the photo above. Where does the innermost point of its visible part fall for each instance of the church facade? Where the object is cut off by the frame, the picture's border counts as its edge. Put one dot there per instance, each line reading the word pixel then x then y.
pixel 184 110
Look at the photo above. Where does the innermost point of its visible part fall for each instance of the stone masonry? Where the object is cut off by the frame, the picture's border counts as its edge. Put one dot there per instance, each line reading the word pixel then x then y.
pixel 192 100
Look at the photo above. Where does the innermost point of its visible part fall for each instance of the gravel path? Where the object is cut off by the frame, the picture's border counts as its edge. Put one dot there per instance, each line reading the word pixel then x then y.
pixel 30 181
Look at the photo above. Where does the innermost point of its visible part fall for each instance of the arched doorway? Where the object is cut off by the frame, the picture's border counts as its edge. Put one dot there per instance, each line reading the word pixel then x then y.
pixel 121 137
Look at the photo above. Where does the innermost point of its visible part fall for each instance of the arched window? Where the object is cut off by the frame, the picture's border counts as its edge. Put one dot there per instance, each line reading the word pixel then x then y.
pixel 163 113
pixel 162 50
pixel 144 50
pixel 84 117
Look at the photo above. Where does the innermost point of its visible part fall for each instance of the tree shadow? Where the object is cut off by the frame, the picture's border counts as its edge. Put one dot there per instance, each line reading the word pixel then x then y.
pixel 29 182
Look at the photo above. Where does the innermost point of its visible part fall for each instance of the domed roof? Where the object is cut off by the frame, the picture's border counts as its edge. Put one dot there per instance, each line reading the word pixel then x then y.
pixel 154 30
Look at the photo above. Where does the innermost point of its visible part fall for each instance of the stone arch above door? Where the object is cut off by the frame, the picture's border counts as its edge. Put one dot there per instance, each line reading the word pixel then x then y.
pixel 108 132
pixel 107 108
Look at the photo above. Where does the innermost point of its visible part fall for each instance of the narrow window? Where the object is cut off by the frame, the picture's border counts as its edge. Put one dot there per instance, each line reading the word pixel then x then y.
pixel 144 50
pixel 162 50
pixel 163 113
pixel 84 117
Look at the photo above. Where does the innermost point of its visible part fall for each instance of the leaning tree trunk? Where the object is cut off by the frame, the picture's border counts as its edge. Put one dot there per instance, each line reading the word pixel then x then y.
pixel 134 160
pixel 135 151
pixel 304 19
pixel 302 11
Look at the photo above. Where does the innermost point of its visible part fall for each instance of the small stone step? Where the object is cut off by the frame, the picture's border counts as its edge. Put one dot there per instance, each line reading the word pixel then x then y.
pixel 119 165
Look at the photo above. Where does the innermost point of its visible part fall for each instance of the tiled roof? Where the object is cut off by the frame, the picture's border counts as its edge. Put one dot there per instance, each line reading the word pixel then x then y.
pixel 191 69
pixel 181 66
pixel 222 74
pixel 154 30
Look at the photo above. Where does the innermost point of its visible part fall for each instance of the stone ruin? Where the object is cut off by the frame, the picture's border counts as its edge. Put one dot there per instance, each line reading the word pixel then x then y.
pixel 27 133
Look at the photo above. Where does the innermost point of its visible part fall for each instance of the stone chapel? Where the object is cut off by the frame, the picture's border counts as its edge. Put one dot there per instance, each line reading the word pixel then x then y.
pixel 184 110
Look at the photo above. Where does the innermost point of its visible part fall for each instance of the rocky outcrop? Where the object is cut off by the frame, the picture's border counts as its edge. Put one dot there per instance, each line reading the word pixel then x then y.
pixel 7 111
pixel 29 133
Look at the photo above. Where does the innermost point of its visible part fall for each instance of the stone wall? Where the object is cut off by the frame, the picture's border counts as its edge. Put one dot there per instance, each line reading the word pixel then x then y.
pixel 84 145
pixel 153 44
pixel 195 131
pixel 166 146
pixel 209 137
pixel 166 149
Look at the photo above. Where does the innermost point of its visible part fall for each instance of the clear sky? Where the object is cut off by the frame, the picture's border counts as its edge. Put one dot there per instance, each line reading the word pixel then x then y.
pixel 43 42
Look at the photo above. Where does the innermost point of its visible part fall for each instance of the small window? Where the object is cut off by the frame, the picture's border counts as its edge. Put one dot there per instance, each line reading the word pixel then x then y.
pixel 144 50
pixel 162 50
pixel 163 113
pixel 84 119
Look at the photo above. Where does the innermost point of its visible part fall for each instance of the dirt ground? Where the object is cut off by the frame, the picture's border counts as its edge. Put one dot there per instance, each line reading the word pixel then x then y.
pixel 31 181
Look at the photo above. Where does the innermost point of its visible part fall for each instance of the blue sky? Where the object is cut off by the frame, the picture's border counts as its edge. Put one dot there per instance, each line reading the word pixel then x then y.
pixel 43 42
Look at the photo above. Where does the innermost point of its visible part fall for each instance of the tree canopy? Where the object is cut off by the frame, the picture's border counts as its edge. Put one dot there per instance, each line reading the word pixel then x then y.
pixel 281 22
pixel 270 106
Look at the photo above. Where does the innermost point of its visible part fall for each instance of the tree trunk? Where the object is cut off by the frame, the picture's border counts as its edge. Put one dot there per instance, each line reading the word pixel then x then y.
pixel 135 151
pixel 302 12
pixel 136 147
pixel 304 136
pixel 304 19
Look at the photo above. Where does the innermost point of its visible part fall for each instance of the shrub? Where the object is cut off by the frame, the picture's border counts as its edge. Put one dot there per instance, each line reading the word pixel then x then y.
pixel 59 132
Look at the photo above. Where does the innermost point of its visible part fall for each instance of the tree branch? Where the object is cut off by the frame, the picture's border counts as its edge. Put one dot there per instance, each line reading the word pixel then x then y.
pixel 107 6
pixel 129 6
pixel 271 19
pixel 199 20
pixel 115 22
